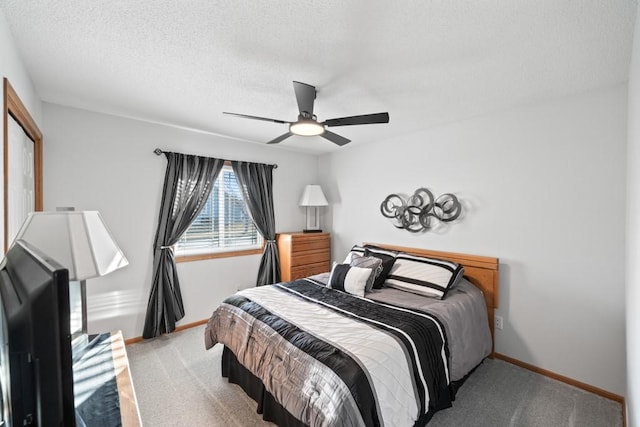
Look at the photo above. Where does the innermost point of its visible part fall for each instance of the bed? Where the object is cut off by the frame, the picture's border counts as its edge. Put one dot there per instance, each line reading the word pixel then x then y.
pixel 314 352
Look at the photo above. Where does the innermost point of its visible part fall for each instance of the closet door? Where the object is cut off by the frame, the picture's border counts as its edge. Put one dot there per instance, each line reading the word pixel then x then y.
pixel 20 178
pixel 21 166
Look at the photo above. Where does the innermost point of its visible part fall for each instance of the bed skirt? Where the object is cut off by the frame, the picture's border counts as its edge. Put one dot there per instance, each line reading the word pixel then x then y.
pixel 267 406
pixel 270 409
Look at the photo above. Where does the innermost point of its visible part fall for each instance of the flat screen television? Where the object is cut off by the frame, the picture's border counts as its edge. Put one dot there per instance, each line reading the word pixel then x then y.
pixel 36 367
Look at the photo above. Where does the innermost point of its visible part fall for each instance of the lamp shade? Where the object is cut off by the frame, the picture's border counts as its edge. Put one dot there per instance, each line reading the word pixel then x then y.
pixel 313 196
pixel 79 241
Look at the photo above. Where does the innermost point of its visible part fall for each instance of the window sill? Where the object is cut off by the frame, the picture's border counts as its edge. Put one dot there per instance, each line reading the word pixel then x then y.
pixel 214 255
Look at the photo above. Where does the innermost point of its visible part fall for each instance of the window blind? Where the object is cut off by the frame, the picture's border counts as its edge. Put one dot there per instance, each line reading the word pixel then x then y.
pixel 224 222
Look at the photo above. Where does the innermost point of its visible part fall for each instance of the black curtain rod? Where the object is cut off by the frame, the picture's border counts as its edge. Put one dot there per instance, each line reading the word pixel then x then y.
pixel 159 152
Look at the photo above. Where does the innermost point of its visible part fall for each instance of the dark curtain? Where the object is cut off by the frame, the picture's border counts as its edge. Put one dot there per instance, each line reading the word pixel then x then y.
pixel 187 184
pixel 256 180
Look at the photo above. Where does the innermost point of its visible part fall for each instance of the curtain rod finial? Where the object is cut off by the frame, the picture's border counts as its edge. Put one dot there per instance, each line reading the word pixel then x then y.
pixel 157 151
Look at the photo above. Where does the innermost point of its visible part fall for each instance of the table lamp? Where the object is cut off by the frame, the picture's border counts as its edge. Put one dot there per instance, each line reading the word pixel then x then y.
pixel 312 198
pixel 77 240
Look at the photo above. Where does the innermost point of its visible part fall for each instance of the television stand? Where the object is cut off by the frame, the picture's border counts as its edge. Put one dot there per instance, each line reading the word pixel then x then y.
pixel 103 388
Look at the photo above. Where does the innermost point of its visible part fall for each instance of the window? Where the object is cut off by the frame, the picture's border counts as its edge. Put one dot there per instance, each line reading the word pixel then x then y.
pixel 224 224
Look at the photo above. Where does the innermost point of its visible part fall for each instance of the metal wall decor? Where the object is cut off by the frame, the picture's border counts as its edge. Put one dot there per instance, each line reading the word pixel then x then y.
pixel 415 213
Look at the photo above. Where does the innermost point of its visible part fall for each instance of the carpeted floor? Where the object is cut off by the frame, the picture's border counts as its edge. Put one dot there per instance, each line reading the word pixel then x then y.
pixel 178 383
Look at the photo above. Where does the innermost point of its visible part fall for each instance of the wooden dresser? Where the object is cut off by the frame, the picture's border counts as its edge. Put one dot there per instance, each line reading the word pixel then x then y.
pixel 303 254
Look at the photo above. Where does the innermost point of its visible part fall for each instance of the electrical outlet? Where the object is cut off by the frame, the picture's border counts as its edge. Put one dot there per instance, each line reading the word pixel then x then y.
pixel 499 322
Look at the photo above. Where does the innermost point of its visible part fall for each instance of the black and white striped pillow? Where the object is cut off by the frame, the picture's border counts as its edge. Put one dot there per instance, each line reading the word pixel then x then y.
pixel 350 279
pixel 424 276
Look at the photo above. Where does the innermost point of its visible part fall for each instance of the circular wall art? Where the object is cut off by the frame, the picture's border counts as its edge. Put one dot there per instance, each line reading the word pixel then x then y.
pixel 414 214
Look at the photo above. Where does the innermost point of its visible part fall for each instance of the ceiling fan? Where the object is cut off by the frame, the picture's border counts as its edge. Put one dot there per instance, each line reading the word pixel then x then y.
pixel 307 123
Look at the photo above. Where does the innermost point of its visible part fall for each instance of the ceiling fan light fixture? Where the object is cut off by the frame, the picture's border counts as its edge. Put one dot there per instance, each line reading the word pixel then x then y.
pixel 307 123
pixel 305 127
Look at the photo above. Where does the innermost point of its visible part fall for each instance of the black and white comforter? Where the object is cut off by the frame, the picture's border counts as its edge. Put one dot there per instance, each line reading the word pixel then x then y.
pixel 331 358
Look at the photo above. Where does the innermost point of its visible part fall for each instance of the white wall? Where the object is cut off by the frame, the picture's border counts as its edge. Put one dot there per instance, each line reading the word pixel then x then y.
pixel 99 162
pixel 633 237
pixel 11 67
pixel 544 190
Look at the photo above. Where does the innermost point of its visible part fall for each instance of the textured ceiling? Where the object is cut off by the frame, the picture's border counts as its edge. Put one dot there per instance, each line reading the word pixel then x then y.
pixel 426 62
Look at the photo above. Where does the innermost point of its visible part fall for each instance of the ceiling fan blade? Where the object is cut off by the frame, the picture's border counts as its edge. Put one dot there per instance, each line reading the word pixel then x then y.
pixel 264 119
pixel 280 138
pixel 305 95
pixel 364 119
pixel 335 138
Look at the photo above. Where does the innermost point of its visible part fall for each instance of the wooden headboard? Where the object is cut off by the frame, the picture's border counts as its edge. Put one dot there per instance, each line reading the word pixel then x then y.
pixel 482 271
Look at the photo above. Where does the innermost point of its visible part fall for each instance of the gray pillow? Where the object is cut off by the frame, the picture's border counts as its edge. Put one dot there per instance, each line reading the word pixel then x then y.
pixel 373 263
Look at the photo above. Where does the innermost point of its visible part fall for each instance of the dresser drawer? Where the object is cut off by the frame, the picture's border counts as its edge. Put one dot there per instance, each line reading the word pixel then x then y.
pixel 309 244
pixel 309 270
pixel 310 257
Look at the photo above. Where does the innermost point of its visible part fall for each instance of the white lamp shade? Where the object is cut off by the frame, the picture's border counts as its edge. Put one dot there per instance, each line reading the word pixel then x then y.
pixel 313 196
pixel 79 241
